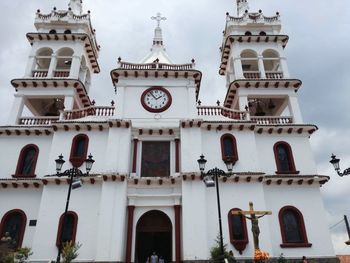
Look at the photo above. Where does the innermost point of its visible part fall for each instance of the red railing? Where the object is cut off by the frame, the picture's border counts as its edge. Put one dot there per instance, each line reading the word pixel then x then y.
pixel 90 111
pixel 61 73
pixel 40 73
pixel 272 120
pixel 37 120
pixel 221 111
pixel 274 75
pixel 251 74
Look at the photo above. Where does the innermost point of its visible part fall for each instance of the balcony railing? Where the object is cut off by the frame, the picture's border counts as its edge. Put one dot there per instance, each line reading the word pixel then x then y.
pixel 40 73
pixel 221 111
pixel 274 75
pixel 252 74
pixel 102 111
pixel 61 73
pixel 31 121
pixel 272 120
pixel 155 66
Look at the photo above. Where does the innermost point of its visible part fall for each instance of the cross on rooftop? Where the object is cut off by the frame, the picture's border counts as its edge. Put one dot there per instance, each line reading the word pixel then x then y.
pixel 158 18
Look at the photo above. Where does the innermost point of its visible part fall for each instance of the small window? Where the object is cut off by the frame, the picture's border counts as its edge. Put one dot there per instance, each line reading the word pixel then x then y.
pixel 292 228
pixel 52 31
pixel 284 158
pixel 68 31
pixel 229 148
pixel 79 149
pixel 248 33
pixel 12 228
pixel 27 161
pixel 238 230
pixel 69 230
pixel 262 33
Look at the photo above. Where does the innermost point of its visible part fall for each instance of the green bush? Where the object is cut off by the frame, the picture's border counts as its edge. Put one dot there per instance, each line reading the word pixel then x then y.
pixel 70 251
pixel 215 251
pixel 281 259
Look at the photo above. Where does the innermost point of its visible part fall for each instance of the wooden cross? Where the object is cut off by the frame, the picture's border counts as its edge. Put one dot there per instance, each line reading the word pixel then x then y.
pixel 254 218
pixel 158 18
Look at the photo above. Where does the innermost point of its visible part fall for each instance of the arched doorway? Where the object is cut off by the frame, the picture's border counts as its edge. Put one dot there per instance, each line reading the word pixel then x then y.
pixel 153 234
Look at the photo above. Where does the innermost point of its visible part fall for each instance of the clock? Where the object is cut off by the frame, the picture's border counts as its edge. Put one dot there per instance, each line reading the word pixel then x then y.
pixel 156 99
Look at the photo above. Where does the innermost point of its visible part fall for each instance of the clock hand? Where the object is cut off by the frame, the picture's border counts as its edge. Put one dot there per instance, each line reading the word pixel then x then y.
pixel 153 95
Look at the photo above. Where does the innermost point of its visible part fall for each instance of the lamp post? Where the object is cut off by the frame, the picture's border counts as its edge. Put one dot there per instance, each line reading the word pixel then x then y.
pixel 211 179
pixel 335 161
pixel 74 175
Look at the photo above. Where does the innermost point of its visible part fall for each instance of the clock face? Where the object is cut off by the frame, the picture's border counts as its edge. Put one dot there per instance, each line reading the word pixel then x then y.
pixel 156 99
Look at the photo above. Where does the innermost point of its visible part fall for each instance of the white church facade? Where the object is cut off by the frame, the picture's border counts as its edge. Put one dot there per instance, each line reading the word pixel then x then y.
pixel 145 191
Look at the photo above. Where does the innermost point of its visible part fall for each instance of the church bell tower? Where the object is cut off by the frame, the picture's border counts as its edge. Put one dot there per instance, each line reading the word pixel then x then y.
pixel 63 57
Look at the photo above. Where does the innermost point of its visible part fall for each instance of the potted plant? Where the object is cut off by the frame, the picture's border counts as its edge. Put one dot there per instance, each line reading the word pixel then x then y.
pixel 70 251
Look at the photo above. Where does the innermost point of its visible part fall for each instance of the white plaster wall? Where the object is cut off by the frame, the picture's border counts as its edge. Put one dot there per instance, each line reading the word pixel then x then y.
pixel 302 153
pixel 27 200
pixel 309 202
pixel 13 145
pixel 85 201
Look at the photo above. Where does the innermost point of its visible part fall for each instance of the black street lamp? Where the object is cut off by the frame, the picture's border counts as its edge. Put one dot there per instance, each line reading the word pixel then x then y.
pixel 335 161
pixel 74 176
pixel 211 180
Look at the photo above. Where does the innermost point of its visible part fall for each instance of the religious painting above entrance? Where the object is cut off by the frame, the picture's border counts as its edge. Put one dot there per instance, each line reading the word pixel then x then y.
pixel 155 159
pixel 156 99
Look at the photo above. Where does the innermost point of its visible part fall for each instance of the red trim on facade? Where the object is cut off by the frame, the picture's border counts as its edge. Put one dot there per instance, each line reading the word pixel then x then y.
pixel 164 108
pixel 134 160
pixel 23 224
pixel 299 215
pixel 240 245
pixel 21 159
pixel 177 155
pixel 292 169
pixel 77 161
pixel 177 209
pixel 60 224
pixel 131 210
pixel 234 157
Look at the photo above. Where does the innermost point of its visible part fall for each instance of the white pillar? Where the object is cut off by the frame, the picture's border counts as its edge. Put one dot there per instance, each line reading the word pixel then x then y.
pixel 53 65
pixel 261 67
pixel 68 103
pixel 295 110
pixel 119 110
pixel 75 67
pixel 30 66
pixel 16 111
pixel 284 67
pixel 238 68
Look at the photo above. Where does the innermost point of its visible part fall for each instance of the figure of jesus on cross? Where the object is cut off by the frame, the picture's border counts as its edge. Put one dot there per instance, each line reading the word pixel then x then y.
pixel 254 218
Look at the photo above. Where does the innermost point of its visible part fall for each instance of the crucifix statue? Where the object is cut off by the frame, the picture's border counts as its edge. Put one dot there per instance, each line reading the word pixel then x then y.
pixel 254 218
pixel 158 18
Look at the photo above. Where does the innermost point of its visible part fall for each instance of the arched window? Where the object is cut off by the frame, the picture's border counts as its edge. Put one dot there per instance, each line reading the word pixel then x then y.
pixel 292 228
pixel 27 161
pixel 262 33
pixel 79 149
pixel 68 31
pixel 272 64
pixel 238 230
pixel 64 62
pixel 250 65
pixel 284 158
pixel 69 230
pixel 248 33
pixel 42 63
pixel 229 148
pixel 52 31
pixel 12 228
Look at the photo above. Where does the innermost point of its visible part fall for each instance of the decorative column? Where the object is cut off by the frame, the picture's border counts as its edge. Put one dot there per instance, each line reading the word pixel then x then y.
pixel 131 210
pixel 134 158
pixel 177 155
pixel 177 209
pixel 53 65
pixel 30 66
pixel 75 67
pixel 238 70
pixel 261 67
pixel 284 67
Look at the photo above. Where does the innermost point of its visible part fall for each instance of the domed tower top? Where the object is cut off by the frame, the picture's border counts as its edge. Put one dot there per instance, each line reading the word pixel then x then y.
pixel 76 6
pixel 242 6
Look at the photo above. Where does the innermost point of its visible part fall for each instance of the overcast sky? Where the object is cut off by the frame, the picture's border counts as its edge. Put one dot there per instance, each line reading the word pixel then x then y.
pixel 318 53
